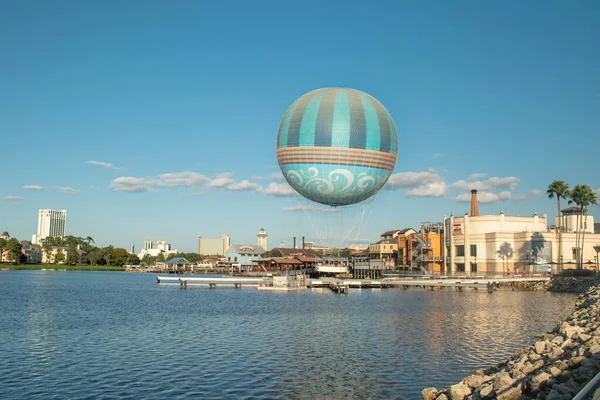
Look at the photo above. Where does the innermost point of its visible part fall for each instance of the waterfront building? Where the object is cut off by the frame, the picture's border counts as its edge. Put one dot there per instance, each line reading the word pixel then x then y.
pixel 385 251
pixel 50 223
pixel 422 250
pixel 262 238
pixel 241 256
pixel 178 264
pixel 500 244
pixel 155 248
pixel 287 252
pixel 213 246
pixel 33 253
pixel 49 255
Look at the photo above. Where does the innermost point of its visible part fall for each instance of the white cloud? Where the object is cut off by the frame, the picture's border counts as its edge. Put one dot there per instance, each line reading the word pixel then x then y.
pixel 597 191
pixel 245 185
pixel 67 190
pixel 475 176
pixel 418 184
pixel 509 182
pixel 103 164
pixel 312 209
pixel 222 180
pixel 186 179
pixel 36 188
pixel 11 198
pixel 279 189
pixel 484 197
pixel 438 155
pixel 130 184
pixel 433 189
pixel 276 176
pixel 531 194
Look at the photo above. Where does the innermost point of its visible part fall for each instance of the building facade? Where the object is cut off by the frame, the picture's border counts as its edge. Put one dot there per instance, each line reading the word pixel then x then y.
pixel 500 244
pixel 242 255
pixel 50 223
pixel 214 246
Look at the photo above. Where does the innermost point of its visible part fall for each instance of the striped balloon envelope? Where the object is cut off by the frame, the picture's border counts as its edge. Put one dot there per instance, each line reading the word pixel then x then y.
pixel 337 146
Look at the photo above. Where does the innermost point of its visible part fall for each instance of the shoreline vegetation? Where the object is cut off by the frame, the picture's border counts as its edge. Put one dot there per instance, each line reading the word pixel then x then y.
pixel 556 366
pixel 58 267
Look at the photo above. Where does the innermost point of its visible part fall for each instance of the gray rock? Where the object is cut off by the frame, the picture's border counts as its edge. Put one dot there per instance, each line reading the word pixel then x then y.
pixel 584 337
pixel 513 393
pixel 575 361
pixel 595 349
pixel 486 391
pixel 429 393
pixel 502 380
pixel 561 364
pixel 540 379
pixel 590 363
pixel 459 391
pixel 538 364
pixel 555 395
pixel 540 347
pixel 534 357
pixel 558 339
pixel 572 332
pixel 556 352
pixel 474 381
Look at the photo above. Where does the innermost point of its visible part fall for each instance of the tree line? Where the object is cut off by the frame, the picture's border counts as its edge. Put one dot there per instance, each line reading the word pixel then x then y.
pixel 582 196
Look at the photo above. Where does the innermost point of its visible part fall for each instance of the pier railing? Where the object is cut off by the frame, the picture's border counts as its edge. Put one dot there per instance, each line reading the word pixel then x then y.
pixel 589 391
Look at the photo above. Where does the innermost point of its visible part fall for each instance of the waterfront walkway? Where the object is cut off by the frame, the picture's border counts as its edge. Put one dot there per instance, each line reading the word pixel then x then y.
pixel 343 285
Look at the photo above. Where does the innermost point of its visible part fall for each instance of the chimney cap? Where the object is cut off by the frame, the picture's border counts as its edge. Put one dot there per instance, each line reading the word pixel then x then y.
pixel 473 191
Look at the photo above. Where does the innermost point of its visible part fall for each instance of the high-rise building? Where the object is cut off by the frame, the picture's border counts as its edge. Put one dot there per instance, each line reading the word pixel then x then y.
pixel 262 238
pixel 50 223
pixel 213 246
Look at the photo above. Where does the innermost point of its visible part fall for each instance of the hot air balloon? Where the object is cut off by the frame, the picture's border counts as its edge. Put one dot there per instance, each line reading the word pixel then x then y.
pixel 337 146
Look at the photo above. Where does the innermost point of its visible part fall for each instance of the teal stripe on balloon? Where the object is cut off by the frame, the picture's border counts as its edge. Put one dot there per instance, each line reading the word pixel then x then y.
pixel 282 140
pixel 372 124
pixel 341 121
pixel 309 120
pixel 393 135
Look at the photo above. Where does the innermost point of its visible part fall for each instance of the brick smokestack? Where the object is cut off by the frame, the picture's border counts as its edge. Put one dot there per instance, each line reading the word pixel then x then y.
pixel 474 205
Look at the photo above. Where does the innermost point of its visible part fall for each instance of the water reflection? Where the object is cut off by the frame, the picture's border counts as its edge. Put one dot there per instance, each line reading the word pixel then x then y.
pixel 121 335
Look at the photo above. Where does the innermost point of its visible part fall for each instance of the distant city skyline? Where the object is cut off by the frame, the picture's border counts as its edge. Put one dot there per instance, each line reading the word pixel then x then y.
pixel 155 119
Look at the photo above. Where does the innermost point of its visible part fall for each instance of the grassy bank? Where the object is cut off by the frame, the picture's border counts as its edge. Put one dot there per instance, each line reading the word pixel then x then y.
pixel 61 267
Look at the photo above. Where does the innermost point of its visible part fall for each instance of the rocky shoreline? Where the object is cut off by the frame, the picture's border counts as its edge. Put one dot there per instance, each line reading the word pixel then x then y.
pixel 556 367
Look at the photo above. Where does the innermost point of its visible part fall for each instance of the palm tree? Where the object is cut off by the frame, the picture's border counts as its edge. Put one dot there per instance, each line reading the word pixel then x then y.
pixel 505 252
pixel 582 196
pixel 558 189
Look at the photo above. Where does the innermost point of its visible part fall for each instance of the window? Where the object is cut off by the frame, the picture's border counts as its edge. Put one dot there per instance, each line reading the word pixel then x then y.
pixel 235 259
pixel 473 250
pixel 460 251
pixel 574 253
pixel 460 267
pixel 228 258
pixel 473 267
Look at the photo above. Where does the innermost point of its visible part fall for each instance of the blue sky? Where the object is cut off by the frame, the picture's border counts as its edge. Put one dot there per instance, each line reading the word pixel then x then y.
pixel 160 118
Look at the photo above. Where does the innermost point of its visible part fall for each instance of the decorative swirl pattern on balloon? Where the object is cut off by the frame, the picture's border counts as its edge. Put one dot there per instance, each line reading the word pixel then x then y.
pixel 344 185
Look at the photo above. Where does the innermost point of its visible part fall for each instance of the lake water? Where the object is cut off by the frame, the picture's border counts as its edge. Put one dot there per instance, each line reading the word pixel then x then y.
pixel 120 335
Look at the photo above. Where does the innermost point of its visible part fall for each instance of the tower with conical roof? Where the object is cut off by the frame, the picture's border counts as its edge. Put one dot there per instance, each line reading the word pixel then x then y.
pixel 262 238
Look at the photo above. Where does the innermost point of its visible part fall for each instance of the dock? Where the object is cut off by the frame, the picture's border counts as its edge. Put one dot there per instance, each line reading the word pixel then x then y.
pixel 342 286
pixel 236 282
